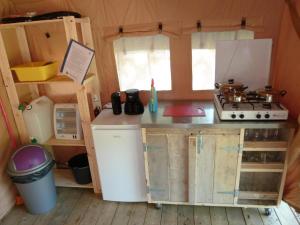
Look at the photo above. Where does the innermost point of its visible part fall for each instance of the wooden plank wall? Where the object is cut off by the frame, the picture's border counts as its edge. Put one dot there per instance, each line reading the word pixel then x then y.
pixel 7 191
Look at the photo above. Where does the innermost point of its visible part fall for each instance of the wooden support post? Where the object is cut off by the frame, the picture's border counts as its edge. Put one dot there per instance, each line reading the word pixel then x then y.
pixel 87 38
pixel 70 28
pixel 192 169
pixel 12 92
pixel 239 163
pixel 84 110
pixel 26 57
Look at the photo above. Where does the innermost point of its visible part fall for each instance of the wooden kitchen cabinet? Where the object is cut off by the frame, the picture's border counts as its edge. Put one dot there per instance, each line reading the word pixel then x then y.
pixel 215 166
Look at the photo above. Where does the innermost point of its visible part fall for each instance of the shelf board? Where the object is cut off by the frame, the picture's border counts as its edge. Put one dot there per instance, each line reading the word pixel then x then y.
pixel 65 178
pixel 265 146
pixel 55 80
pixel 258 195
pixel 61 142
pixel 15 25
pixel 262 167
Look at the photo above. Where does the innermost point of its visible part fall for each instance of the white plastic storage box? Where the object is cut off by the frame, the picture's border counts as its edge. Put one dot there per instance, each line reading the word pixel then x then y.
pixel 39 120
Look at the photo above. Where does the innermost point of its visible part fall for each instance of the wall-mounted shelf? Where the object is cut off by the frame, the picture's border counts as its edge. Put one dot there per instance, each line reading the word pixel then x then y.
pixel 262 167
pixel 65 178
pixel 61 142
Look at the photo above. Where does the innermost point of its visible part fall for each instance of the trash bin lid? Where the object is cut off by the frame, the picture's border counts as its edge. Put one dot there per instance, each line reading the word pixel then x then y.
pixel 29 158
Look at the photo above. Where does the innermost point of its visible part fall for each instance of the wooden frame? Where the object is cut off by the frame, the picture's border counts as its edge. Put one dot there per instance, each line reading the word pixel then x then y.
pixel 85 109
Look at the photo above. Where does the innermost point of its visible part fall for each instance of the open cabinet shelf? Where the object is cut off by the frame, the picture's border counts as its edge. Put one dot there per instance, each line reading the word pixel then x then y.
pixel 65 178
pixel 262 167
pixel 61 142
pixel 265 146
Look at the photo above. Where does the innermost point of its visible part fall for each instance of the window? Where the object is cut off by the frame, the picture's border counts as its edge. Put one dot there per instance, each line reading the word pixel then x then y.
pixel 139 59
pixel 204 52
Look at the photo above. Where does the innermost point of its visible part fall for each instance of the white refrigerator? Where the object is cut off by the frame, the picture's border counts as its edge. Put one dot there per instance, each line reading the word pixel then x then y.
pixel 120 159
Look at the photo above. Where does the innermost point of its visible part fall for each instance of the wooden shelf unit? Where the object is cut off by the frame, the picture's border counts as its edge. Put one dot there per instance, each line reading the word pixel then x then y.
pixel 71 25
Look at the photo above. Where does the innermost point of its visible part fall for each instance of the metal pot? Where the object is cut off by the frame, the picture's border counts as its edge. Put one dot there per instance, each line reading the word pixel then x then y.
pixel 230 87
pixel 271 95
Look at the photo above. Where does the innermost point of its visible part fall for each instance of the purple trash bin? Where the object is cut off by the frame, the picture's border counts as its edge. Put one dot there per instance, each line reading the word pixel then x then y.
pixel 30 168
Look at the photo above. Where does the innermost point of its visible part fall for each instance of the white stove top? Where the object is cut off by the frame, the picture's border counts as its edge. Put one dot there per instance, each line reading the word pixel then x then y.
pixel 250 111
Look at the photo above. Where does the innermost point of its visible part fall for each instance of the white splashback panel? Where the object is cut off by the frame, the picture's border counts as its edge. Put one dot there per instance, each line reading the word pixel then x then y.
pixel 246 61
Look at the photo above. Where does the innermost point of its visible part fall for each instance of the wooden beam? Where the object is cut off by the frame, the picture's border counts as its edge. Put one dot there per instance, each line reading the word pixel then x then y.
pixel 26 57
pixel 12 92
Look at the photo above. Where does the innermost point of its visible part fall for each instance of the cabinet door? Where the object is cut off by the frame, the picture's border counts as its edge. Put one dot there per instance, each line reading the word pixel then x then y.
pixel 157 163
pixel 205 160
pixel 215 163
pixel 226 161
pixel 167 161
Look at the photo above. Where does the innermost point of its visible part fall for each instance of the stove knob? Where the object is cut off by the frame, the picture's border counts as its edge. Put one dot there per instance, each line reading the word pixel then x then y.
pixel 258 116
pixel 242 116
pixel 233 116
pixel 267 116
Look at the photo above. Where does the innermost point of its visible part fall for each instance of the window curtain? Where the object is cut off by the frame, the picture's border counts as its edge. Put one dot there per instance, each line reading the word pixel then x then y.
pixel 207 40
pixel 139 59
pixel 203 55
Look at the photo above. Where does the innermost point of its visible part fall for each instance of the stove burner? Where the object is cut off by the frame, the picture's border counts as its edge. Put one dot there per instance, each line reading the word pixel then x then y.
pixel 235 106
pixel 267 105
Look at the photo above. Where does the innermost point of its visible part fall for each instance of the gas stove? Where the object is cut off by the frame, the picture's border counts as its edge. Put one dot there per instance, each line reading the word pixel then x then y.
pixel 249 110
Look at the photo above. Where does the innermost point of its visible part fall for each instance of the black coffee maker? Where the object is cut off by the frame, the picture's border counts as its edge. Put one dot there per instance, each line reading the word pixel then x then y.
pixel 133 104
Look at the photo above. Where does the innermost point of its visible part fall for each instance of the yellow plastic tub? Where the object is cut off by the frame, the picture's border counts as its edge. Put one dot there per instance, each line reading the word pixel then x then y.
pixel 36 71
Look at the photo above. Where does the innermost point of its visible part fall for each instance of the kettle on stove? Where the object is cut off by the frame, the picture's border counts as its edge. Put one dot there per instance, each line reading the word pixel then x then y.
pixel 133 104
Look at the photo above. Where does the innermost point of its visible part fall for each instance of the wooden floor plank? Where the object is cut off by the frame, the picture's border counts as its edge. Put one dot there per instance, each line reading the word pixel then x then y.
pixel 218 216
pixel 80 208
pixel 138 214
pixel 153 216
pixel 61 198
pixel 15 216
pixel 235 216
pixel 252 216
pixel 93 212
pixel 169 215
pixel 122 214
pixel 185 215
pixel 60 216
pixel 107 213
pixel 202 215
pixel 269 220
pixel 28 219
pixel 285 215
pixel 74 208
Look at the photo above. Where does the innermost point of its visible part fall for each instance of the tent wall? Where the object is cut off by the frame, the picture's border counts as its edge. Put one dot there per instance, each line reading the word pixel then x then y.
pixel 179 14
pixel 287 66
pixel 287 74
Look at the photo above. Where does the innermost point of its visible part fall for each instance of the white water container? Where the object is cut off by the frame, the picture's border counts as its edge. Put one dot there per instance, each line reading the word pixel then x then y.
pixel 38 117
